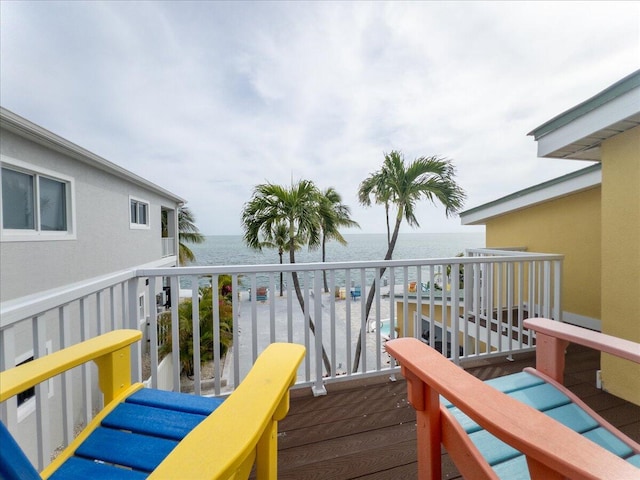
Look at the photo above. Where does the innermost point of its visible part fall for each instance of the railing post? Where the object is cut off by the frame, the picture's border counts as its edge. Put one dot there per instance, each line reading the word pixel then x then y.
pixel 136 355
pixel 318 386
pixel 557 291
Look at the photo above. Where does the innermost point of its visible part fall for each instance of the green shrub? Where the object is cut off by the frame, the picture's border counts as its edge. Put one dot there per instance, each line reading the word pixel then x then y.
pixel 185 330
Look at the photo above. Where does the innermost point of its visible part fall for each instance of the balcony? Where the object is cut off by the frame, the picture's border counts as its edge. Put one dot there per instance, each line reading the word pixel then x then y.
pixel 491 291
pixel 168 246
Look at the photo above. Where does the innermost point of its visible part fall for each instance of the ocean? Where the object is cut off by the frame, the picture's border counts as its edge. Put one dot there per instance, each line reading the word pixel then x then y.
pixel 230 250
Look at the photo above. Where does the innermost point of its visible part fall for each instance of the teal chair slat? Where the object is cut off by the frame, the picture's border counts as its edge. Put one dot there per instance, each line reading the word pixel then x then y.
pixel 513 469
pixel 607 440
pixel 635 460
pixel 152 421
pixel 541 397
pixel 180 402
pixel 135 451
pixel 492 449
pixel 507 384
pixel 513 382
pixel 81 469
pixel 14 464
pixel 574 417
pixel 463 419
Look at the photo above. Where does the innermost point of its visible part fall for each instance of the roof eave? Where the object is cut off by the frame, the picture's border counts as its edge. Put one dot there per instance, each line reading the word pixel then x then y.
pixel 565 185
pixel 26 129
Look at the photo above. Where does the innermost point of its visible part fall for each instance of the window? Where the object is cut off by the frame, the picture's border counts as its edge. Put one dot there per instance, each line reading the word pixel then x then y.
pixel 36 204
pixel 138 213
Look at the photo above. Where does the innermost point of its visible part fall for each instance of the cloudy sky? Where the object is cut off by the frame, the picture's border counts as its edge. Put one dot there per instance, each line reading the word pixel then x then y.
pixel 208 99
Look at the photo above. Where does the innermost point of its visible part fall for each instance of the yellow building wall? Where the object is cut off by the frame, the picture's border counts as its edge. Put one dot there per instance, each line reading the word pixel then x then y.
pixel 621 257
pixel 570 226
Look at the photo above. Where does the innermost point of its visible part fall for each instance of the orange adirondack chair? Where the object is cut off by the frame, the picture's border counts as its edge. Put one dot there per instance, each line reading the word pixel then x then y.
pixel 525 425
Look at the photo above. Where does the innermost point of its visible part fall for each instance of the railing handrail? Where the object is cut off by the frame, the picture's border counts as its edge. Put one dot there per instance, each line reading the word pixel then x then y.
pixel 354 265
pixel 18 309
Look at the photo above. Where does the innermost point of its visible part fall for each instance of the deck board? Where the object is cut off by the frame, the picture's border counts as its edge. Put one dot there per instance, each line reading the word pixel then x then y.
pixel 365 428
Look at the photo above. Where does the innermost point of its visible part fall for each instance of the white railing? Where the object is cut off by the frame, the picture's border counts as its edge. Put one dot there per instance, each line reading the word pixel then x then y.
pixel 168 246
pixel 491 291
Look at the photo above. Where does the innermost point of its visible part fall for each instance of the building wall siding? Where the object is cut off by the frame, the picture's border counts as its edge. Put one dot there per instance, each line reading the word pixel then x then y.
pixel 621 257
pixel 104 242
pixel 570 226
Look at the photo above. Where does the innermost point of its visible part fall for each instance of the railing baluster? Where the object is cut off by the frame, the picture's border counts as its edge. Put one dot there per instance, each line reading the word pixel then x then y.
pixel 305 324
pixel 347 303
pixel 175 332
pixel 236 341
pixel 152 324
pixel 86 370
pixel 455 312
pixel 254 318
pixel 195 322
pixel 42 394
pixel 66 385
pixel 215 300
pixel 272 308
pixel 8 409
pixel 363 319
pixel 318 387
pixel 376 282
pixel 332 321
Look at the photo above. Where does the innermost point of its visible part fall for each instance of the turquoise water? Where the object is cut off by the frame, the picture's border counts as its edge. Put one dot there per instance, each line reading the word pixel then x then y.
pixel 230 250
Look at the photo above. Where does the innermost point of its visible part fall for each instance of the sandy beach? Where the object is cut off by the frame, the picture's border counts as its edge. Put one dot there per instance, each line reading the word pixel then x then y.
pixel 272 323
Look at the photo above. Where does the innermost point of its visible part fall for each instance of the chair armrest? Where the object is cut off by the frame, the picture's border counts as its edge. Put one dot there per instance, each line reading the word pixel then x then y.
pixel 228 439
pixel 589 338
pixel 552 338
pixel 544 441
pixel 110 351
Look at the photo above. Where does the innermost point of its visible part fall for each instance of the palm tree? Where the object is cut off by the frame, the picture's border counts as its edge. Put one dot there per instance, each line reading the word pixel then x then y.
pixel 298 208
pixel 279 238
pixel 402 186
pixel 187 233
pixel 333 215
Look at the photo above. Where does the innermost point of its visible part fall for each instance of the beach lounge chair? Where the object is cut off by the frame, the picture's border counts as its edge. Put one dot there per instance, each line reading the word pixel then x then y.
pixel 525 425
pixel 262 294
pixel 356 292
pixel 144 433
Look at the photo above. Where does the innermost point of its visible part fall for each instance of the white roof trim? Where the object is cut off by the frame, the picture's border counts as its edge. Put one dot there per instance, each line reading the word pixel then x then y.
pixel 622 107
pixel 572 183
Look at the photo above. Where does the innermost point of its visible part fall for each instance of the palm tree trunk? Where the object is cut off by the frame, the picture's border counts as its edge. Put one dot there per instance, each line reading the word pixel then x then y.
pixel 312 326
pixel 281 280
pixel 372 292
pixel 324 272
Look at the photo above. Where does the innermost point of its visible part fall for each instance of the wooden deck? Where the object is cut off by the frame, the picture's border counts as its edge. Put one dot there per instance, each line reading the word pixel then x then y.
pixel 366 429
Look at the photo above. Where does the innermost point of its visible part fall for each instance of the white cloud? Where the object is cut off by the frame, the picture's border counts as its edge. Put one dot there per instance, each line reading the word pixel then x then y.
pixel 207 99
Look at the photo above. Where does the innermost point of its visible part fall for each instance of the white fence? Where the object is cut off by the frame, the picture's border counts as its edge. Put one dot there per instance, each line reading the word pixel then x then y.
pixel 492 292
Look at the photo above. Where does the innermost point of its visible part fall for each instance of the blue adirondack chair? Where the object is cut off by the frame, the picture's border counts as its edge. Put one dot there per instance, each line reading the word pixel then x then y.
pixel 145 433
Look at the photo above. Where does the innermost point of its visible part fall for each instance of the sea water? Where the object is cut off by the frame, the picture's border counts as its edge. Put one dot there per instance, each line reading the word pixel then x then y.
pixel 230 249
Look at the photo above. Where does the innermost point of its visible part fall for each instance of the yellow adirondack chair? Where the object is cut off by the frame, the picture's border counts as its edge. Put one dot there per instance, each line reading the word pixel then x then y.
pixel 190 436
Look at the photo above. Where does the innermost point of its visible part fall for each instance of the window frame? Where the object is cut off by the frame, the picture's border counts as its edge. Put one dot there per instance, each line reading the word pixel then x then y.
pixel 37 234
pixel 135 225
